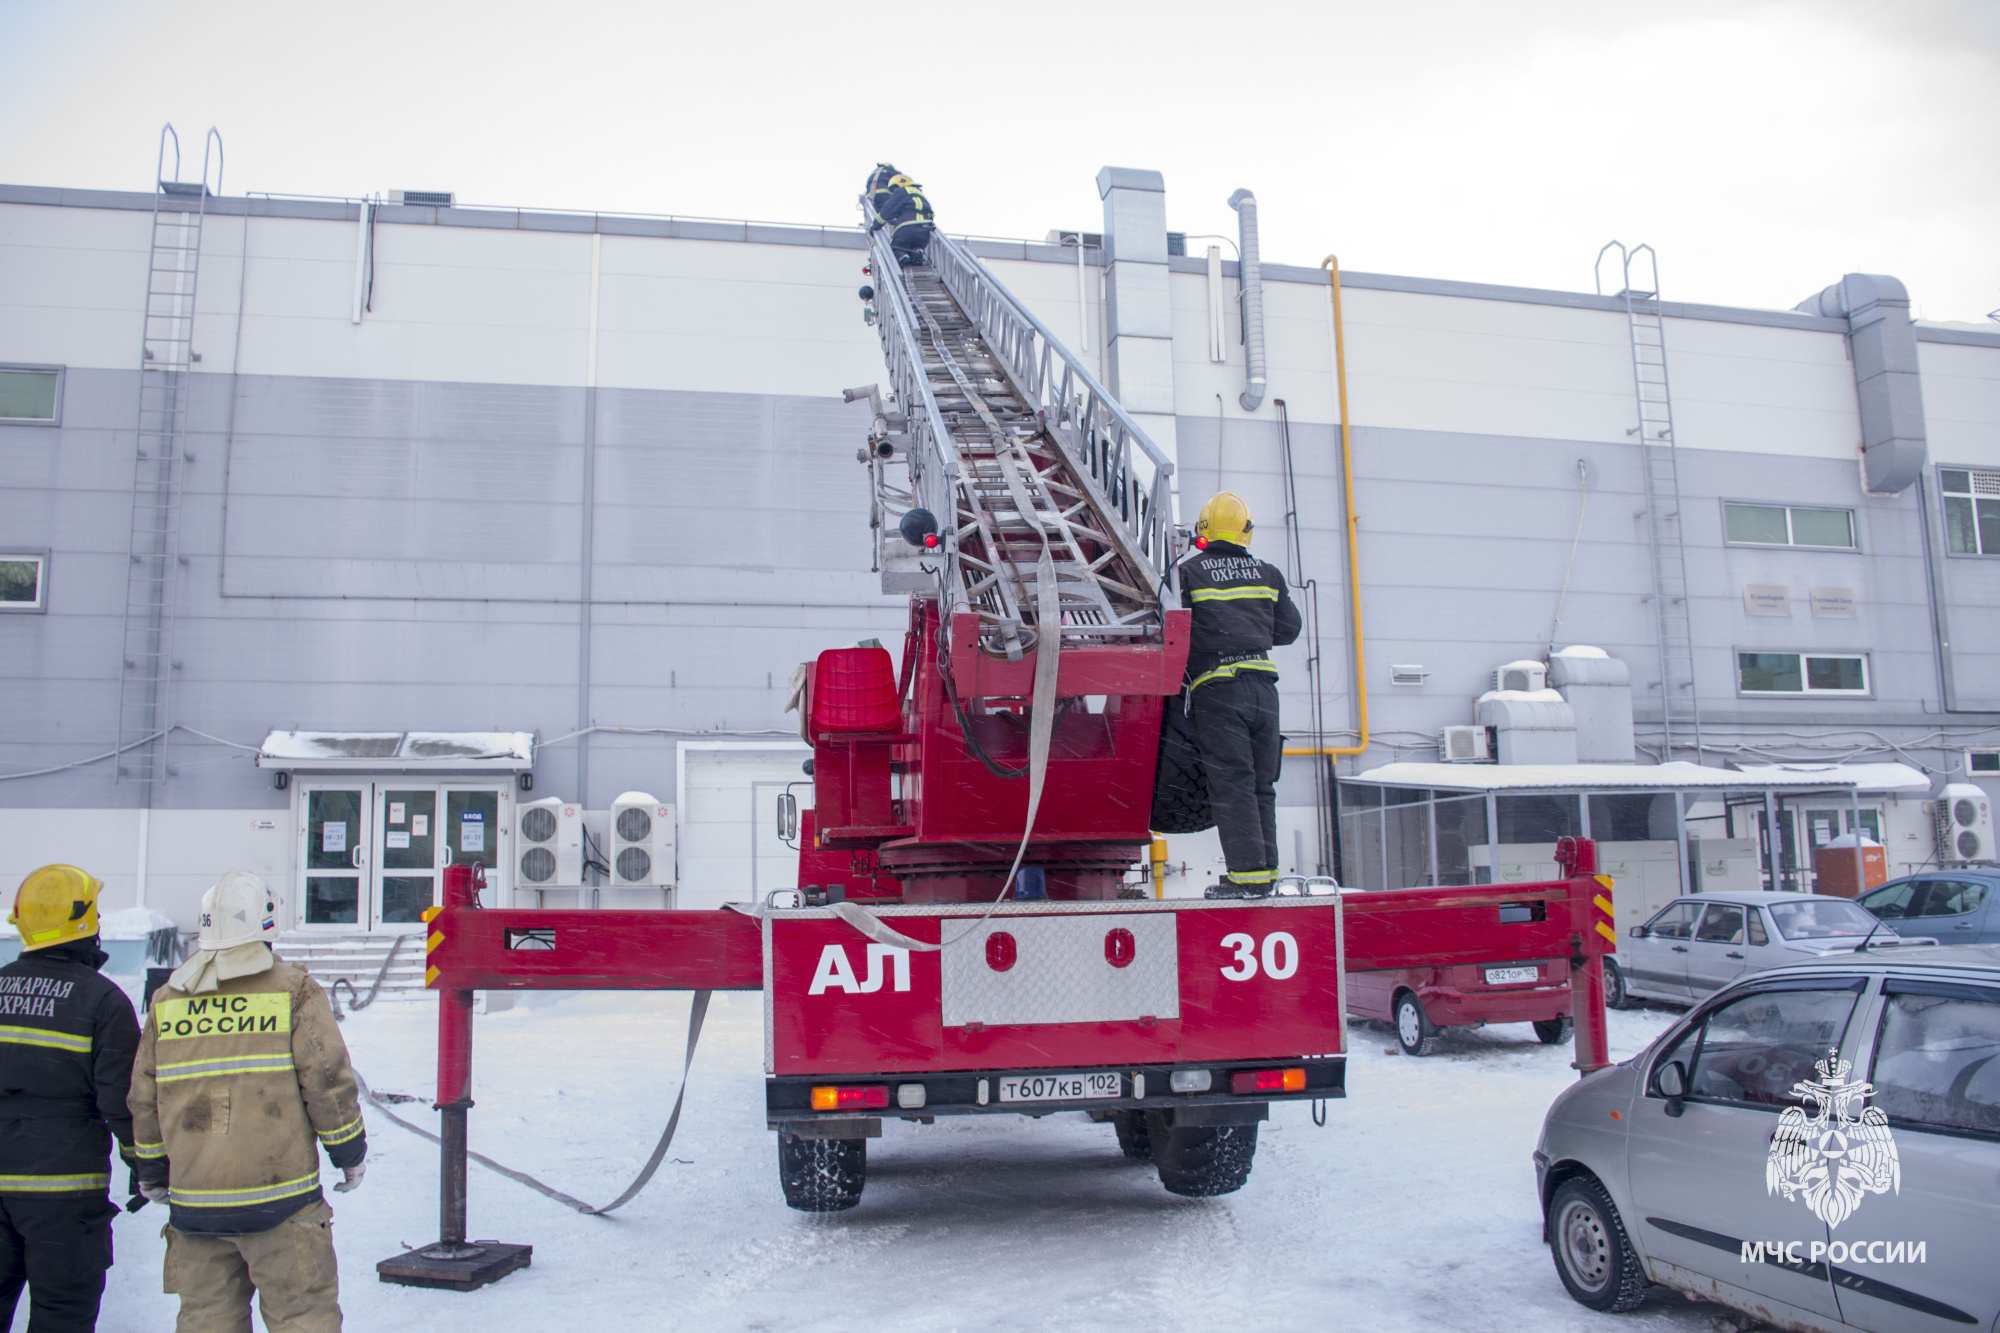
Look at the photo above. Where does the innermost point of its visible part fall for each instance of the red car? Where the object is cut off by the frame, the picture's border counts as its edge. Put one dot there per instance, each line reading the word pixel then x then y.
pixel 1419 1001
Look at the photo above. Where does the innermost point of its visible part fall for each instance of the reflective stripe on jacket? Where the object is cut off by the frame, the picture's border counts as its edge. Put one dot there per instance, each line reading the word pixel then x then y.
pixel 233 1092
pixel 1241 608
pixel 67 1037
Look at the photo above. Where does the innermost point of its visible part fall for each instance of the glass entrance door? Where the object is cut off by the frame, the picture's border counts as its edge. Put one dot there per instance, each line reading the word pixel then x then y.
pixel 406 819
pixel 333 855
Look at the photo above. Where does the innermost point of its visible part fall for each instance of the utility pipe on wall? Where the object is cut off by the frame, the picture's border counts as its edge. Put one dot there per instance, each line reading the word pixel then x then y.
pixel 1332 264
pixel 1251 274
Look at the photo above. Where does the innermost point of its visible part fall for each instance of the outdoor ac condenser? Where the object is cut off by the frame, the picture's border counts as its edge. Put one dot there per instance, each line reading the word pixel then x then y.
pixel 1965 824
pixel 1463 745
pixel 548 854
pixel 642 842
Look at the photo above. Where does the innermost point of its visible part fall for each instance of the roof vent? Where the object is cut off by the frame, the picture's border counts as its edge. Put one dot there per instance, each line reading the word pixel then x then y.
pixel 1407 675
pixel 1091 240
pixel 422 198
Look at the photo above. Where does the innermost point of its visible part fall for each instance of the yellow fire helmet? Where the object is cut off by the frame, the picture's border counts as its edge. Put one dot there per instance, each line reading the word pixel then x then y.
pixel 1224 519
pixel 55 904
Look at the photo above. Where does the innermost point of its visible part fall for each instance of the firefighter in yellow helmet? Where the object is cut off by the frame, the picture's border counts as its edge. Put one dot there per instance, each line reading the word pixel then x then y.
pixel 1241 608
pixel 242 1079
pixel 66 1041
pixel 899 204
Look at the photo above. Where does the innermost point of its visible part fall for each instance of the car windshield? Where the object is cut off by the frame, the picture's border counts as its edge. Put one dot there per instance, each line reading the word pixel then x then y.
pixel 1821 919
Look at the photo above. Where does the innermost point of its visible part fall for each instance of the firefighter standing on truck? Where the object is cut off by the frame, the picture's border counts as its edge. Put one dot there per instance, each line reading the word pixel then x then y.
pixel 241 1078
pixel 66 1041
pixel 1241 608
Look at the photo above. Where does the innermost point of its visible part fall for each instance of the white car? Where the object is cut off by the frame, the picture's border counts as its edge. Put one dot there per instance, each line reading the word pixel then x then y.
pixel 1697 944
pixel 1817 1146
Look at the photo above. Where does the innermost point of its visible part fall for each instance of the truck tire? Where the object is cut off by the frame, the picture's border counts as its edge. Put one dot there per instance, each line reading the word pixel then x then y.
pixel 822 1175
pixel 1553 1031
pixel 1594 1257
pixel 1615 996
pixel 1134 1140
pixel 1180 782
pixel 1414 1030
pixel 1201 1161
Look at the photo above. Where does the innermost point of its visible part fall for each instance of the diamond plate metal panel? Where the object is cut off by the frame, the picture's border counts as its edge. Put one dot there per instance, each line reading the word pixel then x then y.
pixel 1061 974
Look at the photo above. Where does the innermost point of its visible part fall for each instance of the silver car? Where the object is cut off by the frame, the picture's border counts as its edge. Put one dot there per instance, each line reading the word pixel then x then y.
pixel 1817 1146
pixel 1699 944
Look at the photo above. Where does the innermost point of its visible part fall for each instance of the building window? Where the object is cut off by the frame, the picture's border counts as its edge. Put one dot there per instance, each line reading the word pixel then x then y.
pixel 31 394
pixel 24 581
pixel 1971 510
pixel 1801 673
pixel 1788 525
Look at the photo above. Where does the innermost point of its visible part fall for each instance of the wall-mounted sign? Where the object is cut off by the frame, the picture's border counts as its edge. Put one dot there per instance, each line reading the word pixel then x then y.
pixel 1833 603
pixel 1767 599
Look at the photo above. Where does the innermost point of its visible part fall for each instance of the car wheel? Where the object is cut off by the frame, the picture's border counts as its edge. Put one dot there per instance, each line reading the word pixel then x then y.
pixel 822 1175
pixel 1553 1031
pixel 1414 1032
pixel 1615 996
pixel 1593 1255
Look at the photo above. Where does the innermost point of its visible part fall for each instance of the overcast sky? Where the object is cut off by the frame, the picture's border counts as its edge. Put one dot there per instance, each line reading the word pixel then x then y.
pixel 1763 148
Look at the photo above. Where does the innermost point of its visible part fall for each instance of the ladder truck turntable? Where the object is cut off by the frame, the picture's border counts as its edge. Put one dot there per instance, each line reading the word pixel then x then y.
pixel 1028 517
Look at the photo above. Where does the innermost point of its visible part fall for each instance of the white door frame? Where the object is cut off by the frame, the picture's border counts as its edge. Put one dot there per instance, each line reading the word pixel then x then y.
pixel 361 853
pixel 367 849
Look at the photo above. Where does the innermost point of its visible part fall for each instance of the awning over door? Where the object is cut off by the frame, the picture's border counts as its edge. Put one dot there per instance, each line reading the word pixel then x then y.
pixel 398 751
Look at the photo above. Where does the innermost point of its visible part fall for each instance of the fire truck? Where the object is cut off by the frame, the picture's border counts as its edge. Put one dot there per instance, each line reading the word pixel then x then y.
pixel 963 939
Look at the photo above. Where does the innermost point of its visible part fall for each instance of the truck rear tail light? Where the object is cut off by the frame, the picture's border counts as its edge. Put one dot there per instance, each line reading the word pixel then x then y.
pixel 871 1098
pixel 1191 1080
pixel 1267 1080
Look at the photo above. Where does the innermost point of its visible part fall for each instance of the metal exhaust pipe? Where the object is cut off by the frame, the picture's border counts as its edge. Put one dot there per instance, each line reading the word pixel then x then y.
pixel 1251 269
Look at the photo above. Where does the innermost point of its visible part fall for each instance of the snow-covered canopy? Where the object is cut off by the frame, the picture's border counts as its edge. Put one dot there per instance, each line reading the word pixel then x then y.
pixel 397 751
pixel 132 923
pixel 1677 776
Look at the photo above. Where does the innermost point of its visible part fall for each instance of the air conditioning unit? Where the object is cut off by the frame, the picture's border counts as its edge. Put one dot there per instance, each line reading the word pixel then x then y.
pixel 1464 745
pixel 642 842
pixel 1965 824
pixel 548 853
pixel 1524 676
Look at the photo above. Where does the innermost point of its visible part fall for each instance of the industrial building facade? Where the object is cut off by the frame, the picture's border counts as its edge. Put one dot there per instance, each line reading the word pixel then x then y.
pixel 475 496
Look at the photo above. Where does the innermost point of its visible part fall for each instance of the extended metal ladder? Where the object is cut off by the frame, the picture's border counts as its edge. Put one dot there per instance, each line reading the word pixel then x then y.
pixel 1016 449
pixel 165 367
pixel 1680 705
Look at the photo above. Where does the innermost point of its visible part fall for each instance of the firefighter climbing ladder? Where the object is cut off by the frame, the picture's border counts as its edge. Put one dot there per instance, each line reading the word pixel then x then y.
pixel 165 364
pixel 1659 462
pixel 1015 446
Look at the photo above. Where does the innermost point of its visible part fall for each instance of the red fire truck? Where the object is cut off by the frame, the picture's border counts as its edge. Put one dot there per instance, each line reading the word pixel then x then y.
pixel 962 939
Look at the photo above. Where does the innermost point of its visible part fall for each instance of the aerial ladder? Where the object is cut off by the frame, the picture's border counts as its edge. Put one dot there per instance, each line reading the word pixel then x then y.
pixel 962 939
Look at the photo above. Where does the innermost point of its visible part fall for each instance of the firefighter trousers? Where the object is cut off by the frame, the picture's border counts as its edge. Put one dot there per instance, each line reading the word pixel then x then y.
pixel 58 1246
pixel 1236 724
pixel 910 241
pixel 290 1269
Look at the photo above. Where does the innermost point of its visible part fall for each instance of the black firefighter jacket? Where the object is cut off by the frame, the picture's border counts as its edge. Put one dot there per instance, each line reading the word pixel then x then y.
pixel 1241 608
pixel 67 1038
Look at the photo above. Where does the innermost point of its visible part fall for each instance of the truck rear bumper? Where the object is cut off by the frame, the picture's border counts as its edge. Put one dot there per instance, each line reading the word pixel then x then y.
pixel 789 1102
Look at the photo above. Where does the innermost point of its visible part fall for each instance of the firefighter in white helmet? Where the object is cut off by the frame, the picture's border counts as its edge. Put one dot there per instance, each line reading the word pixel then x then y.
pixel 241 1078
pixel 1241 608
pixel 66 1042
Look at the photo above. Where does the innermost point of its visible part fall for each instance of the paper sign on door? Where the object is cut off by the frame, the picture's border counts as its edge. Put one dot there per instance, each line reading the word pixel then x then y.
pixel 333 837
pixel 395 812
pixel 398 841
pixel 472 832
pixel 420 826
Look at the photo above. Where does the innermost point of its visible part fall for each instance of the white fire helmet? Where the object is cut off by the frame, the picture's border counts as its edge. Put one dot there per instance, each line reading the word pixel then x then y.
pixel 240 909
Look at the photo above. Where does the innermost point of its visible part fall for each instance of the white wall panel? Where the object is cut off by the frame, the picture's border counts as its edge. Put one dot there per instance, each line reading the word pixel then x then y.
pixel 71 283
pixel 1755 389
pixel 1962 402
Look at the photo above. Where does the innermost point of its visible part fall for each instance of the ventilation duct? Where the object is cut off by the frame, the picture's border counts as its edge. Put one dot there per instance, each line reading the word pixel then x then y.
pixel 1886 379
pixel 1251 271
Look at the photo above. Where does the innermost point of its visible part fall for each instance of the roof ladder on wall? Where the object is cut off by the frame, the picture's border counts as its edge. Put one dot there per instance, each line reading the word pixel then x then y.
pixel 1639 289
pixel 165 390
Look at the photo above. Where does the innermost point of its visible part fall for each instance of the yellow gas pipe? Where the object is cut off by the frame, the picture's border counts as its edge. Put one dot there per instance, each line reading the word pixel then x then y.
pixel 1332 263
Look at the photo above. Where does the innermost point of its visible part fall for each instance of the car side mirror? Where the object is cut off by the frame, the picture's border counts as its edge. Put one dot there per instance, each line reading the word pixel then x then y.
pixel 788 817
pixel 1670 1081
pixel 1637 932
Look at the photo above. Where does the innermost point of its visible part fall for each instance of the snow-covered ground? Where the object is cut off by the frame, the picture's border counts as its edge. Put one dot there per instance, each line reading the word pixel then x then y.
pixel 1413 1208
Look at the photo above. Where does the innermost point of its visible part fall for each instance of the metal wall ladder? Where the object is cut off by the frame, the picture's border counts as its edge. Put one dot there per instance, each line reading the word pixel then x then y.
pixel 1015 450
pixel 166 363
pixel 1639 289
